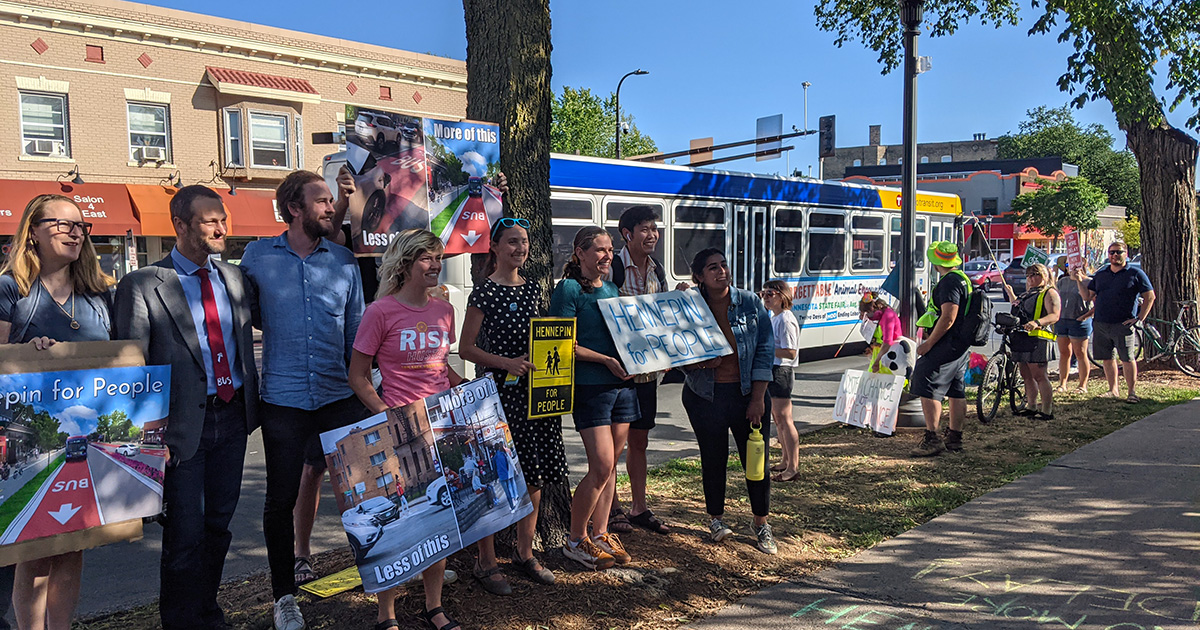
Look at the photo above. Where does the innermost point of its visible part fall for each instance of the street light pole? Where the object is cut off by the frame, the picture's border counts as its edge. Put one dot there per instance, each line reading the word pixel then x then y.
pixel 806 85
pixel 910 14
pixel 639 71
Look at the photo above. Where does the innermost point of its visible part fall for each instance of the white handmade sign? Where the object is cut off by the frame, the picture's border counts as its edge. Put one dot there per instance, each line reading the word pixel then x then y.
pixel 869 400
pixel 663 330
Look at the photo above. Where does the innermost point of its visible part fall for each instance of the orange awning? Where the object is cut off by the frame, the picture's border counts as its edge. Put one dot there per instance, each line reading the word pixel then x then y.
pixel 106 206
pixel 252 213
pixel 152 204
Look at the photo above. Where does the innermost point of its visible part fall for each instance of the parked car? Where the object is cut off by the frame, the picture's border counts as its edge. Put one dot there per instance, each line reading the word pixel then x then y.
pixel 410 130
pixel 438 493
pixel 984 274
pixel 1014 275
pixel 77 447
pixel 362 529
pixel 129 450
pixel 376 130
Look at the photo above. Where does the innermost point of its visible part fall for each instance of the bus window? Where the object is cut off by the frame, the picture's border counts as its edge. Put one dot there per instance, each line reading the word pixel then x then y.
pixel 785 218
pixel 867 223
pixel 937 232
pixel 826 246
pixel 694 227
pixel 787 252
pixel 564 245
pixel 824 220
pixel 918 249
pixel 614 209
pixel 571 209
pixel 866 243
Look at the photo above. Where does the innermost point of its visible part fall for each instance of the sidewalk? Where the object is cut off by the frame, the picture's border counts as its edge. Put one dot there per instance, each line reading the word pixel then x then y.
pixel 1102 538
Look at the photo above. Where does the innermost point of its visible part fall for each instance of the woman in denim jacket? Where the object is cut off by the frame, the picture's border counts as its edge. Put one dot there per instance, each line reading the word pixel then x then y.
pixel 729 393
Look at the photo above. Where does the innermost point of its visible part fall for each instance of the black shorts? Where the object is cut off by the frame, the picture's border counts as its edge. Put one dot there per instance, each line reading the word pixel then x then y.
pixel 940 374
pixel 647 394
pixel 782 378
pixel 1114 339
pixel 335 415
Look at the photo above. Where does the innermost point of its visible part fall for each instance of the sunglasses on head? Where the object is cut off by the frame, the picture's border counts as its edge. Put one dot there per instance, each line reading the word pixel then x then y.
pixel 507 222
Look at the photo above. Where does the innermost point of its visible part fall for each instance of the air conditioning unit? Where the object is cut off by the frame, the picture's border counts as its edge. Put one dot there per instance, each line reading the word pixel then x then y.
pixel 152 154
pixel 46 147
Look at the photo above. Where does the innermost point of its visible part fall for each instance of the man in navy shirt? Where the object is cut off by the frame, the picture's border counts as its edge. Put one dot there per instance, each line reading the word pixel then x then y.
pixel 1115 289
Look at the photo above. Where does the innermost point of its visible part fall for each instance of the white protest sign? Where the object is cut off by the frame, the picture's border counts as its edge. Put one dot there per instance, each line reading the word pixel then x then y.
pixel 663 330
pixel 869 400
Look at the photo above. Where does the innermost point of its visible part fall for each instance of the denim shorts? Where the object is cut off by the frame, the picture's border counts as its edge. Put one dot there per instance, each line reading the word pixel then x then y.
pixel 603 405
pixel 1073 328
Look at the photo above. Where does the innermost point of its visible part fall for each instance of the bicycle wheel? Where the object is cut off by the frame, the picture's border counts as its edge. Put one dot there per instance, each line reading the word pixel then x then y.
pixel 987 398
pixel 1186 352
pixel 1016 391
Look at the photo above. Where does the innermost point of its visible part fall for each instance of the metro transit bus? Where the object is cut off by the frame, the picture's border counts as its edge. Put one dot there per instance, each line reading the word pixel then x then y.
pixel 831 241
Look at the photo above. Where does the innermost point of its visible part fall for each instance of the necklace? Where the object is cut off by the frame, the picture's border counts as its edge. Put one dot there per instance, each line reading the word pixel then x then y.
pixel 71 315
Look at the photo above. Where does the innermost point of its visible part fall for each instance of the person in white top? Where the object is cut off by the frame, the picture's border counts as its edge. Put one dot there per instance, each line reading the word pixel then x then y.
pixel 777 297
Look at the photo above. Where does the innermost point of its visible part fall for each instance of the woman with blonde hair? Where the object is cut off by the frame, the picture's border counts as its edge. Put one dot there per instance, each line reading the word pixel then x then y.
pixel 1039 307
pixel 402 306
pixel 1073 328
pixel 777 297
pixel 51 290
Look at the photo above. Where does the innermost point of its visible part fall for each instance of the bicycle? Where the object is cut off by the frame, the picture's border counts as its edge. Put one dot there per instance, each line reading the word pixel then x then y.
pixel 1181 344
pixel 1001 375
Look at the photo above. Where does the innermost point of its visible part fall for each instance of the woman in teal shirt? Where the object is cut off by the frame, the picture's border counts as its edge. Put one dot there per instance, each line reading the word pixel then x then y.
pixel 605 399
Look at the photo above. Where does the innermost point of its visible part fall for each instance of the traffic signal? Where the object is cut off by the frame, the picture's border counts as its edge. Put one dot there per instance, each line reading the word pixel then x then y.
pixel 825 139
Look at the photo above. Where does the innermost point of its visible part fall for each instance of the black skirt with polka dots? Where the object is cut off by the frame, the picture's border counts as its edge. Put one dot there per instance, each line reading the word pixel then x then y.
pixel 505 332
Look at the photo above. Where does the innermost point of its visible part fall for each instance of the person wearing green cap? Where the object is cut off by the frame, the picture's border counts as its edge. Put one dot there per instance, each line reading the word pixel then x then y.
pixel 942 357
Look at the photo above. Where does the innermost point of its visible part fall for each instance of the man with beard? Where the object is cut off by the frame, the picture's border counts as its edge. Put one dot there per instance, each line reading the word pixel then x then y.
pixel 193 313
pixel 308 305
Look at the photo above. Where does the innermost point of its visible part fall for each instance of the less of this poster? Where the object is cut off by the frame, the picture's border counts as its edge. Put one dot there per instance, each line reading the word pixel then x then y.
pixel 385 153
pixel 552 350
pixel 417 483
pixel 462 158
pixel 869 400
pixel 82 449
pixel 663 330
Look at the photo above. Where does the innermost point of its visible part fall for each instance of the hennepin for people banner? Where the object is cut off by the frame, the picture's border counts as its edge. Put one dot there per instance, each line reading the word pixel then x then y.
pixel 417 483
pixel 431 174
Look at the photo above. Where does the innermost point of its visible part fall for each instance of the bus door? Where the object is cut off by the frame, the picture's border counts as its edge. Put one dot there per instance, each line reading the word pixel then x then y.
pixel 750 256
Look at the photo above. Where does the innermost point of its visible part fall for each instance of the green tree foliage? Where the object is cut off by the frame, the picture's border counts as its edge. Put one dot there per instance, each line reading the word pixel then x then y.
pixel 581 122
pixel 118 427
pixel 1059 205
pixel 1123 49
pixel 45 431
pixel 1131 232
pixel 1054 132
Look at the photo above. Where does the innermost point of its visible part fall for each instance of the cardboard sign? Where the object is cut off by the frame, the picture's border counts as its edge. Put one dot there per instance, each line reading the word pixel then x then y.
pixel 417 483
pixel 552 349
pixel 82 458
pixel 1034 256
pixel 430 174
pixel 1074 250
pixel 869 400
pixel 663 330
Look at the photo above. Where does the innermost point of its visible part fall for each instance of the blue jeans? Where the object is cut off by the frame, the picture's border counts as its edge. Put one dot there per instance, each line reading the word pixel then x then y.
pixel 200 496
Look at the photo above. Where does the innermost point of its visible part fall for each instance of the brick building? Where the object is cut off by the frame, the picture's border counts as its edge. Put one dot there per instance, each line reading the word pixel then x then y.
pixel 876 154
pixel 131 99
pixel 412 441
pixel 365 466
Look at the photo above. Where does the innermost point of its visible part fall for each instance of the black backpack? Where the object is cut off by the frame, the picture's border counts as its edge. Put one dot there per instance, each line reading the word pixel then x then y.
pixel 976 325
pixel 618 272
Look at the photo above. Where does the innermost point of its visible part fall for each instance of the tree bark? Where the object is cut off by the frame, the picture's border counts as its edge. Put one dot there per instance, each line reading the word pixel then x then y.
pixel 508 82
pixel 1167 163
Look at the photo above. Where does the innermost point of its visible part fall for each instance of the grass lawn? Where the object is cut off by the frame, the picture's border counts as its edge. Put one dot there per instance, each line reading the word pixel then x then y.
pixel 17 502
pixel 438 223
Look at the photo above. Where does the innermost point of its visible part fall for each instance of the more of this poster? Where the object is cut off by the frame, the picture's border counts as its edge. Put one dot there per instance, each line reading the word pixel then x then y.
pixel 417 483
pixel 663 330
pixel 1074 249
pixel 81 449
pixel 385 152
pixel 462 159
pixel 869 400
pixel 552 350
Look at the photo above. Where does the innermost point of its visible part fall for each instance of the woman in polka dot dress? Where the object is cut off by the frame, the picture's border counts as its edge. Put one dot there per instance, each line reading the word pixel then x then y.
pixel 495 337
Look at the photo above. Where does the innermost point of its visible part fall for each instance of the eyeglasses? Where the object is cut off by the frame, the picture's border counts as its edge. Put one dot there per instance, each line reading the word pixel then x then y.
pixel 63 226
pixel 766 293
pixel 1116 252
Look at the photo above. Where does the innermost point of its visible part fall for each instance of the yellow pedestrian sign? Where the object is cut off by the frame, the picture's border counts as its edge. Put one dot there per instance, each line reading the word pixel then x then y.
pixel 552 350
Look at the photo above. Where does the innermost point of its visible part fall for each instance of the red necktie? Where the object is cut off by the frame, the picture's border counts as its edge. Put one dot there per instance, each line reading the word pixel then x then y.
pixel 216 341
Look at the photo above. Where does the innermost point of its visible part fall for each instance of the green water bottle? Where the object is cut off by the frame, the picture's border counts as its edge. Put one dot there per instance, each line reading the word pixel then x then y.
pixel 756 454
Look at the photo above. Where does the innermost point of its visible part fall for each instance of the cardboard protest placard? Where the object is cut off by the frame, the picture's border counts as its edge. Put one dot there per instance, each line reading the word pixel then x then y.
pixel 552 349
pixel 869 400
pixel 81 451
pixel 385 152
pixel 417 483
pixel 462 157
pixel 1074 249
pixel 1033 256
pixel 663 330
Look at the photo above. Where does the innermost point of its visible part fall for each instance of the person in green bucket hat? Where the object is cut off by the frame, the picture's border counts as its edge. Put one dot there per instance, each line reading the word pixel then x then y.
pixel 943 355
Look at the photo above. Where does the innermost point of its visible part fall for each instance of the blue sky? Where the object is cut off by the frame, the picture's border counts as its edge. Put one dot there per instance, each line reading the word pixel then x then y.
pixel 717 66
pixel 475 154
pixel 77 414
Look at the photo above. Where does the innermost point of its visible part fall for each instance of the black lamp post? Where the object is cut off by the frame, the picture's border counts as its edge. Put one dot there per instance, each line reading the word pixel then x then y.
pixel 910 15
pixel 618 104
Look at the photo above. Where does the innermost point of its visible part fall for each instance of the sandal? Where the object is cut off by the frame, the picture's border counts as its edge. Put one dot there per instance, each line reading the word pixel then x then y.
pixel 778 467
pixel 1133 399
pixel 387 623
pixel 1024 412
pixel 781 479
pixel 1079 390
pixel 1039 415
pixel 533 569
pixel 428 616
pixel 495 587
pixel 303 572
pixel 618 521
pixel 648 520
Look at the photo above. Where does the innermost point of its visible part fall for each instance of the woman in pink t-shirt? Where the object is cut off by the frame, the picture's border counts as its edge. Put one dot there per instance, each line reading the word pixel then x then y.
pixel 409 335
pixel 888 329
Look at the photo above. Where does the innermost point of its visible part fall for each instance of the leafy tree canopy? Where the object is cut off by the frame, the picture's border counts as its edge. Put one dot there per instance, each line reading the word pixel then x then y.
pixel 1058 205
pixel 1054 132
pixel 1131 232
pixel 581 122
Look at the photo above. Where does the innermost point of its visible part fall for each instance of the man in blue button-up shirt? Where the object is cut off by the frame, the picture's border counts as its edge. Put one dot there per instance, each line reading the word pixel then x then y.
pixel 309 303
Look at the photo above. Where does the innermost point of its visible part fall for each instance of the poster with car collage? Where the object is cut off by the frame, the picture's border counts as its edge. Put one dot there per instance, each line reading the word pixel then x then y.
pixel 424 173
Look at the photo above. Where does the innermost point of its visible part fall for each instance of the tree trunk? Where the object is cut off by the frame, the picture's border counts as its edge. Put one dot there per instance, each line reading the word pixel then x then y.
pixel 1167 162
pixel 508 82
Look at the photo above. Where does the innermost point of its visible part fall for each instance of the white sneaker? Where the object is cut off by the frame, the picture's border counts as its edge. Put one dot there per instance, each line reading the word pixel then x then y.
pixel 718 531
pixel 287 614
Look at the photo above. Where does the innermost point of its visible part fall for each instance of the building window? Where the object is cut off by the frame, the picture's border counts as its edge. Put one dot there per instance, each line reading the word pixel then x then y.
pixel 377 459
pixel 149 133
pixel 233 138
pixel 883 161
pixel 269 140
pixel 924 159
pixel 857 162
pixel 94 54
pixel 382 482
pixel 989 206
pixel 385 93
pixel 44 125
pixel 947 158
pixel 371 437
pixel 416 463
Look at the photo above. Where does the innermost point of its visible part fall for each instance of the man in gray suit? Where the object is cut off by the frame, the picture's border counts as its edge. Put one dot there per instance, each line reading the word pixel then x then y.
pixel 192 313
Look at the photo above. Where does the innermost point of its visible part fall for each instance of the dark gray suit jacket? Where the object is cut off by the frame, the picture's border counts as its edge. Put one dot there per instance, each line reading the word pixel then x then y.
pixel 151 308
